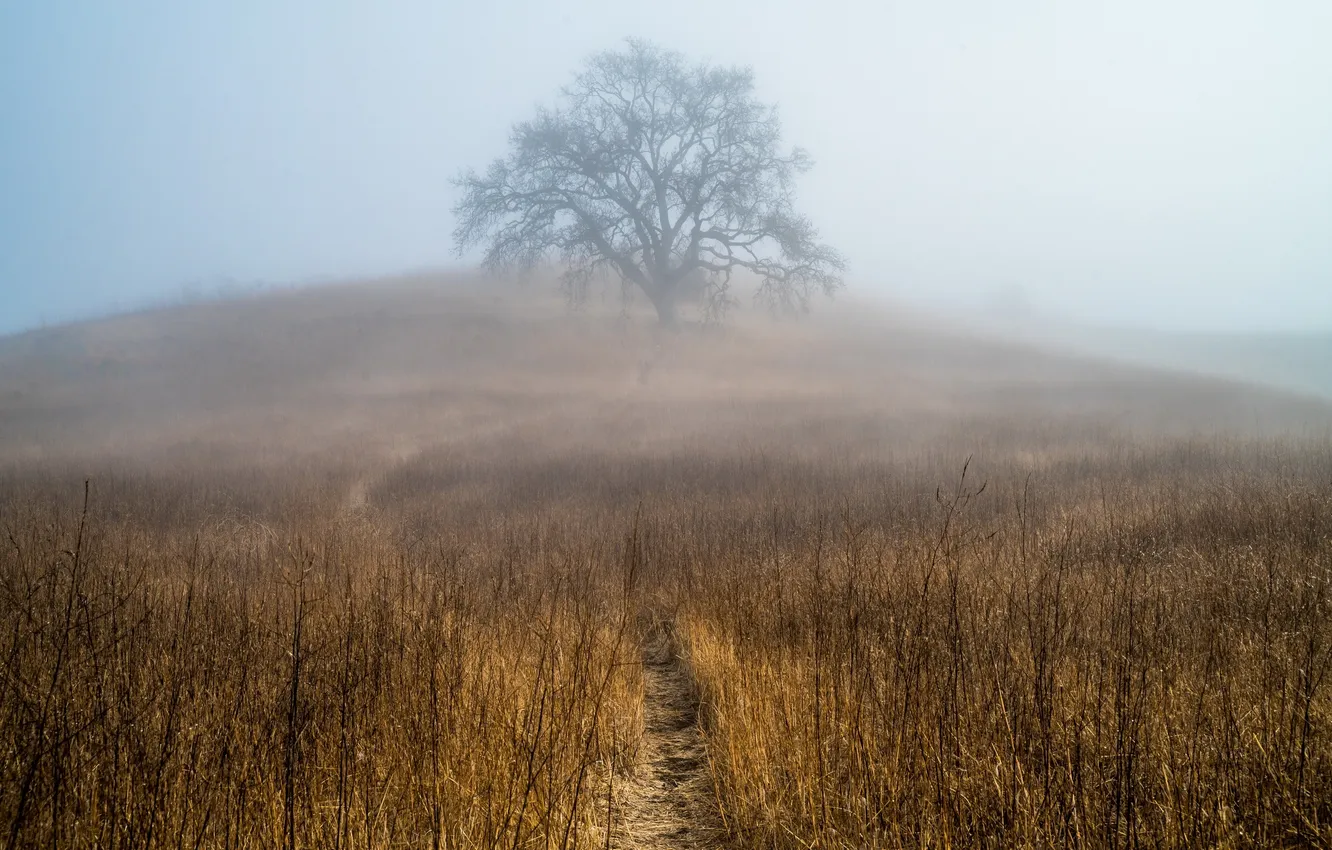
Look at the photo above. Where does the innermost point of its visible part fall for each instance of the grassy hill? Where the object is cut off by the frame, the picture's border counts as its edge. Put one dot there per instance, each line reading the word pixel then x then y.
pixel 1295 362
pixel 387 366
pixel 429 562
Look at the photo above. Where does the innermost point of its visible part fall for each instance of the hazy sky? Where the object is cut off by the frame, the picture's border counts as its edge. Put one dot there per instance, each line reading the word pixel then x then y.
pixel 1152 162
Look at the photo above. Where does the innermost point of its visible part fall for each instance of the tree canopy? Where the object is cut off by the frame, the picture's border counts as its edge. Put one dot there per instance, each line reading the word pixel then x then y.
pixel 664 173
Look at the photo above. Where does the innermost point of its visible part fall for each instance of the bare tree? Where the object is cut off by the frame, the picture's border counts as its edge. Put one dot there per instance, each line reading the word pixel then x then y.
pixel 659 172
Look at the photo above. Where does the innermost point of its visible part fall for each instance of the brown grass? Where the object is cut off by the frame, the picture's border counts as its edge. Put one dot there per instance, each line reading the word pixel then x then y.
pixel 224 682
pixel 375 567
pixel 1004 668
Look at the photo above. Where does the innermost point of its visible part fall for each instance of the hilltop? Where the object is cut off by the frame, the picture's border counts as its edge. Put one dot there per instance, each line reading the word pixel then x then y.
pixel 391 366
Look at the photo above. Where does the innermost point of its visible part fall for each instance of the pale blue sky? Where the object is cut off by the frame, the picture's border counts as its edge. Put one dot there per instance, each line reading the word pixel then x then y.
pixel 1153 162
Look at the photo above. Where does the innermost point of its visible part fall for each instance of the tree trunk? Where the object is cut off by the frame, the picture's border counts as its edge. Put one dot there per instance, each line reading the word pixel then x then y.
pixel 666 315
pixel 665 301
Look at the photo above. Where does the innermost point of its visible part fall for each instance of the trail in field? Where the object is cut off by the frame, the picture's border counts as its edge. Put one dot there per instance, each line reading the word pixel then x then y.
pixel 358 495
pixel 668 803
pixel 357 499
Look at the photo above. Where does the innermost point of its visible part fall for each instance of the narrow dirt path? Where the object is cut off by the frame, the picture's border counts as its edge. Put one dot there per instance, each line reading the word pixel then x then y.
pixel 668 802
pixel 357 499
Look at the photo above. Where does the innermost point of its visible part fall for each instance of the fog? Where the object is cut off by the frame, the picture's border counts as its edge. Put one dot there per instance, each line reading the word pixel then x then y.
pixel 1148 164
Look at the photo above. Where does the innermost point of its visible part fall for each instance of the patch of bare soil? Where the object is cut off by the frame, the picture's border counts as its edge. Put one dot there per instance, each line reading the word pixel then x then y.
pixel 668 802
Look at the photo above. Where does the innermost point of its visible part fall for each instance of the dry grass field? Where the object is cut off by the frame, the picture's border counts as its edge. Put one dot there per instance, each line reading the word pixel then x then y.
pixel 425 563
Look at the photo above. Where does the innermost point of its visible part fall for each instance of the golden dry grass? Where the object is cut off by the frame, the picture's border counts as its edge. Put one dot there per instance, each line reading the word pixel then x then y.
pixel 378 566
pixel 1022 670
pixel 216 680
